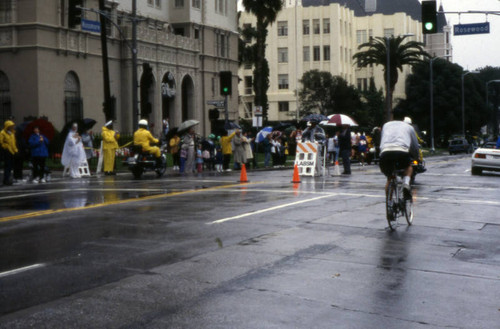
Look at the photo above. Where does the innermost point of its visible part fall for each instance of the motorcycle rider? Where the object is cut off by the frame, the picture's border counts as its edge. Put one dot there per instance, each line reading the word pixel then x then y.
pixel 143 138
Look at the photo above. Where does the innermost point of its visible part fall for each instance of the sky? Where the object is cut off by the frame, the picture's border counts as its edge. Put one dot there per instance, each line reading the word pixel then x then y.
pixel 473 51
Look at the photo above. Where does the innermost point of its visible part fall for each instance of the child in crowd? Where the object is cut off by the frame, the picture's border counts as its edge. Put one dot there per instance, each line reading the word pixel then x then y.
pixel 218 159
pixel 199 159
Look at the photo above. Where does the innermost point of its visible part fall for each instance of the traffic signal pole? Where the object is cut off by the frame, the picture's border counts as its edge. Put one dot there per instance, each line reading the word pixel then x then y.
pixel 105 65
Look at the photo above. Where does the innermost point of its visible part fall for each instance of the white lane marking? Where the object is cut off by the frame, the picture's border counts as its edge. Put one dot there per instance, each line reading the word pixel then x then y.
pixel 271 209
pixel 21 269
pixel 31 194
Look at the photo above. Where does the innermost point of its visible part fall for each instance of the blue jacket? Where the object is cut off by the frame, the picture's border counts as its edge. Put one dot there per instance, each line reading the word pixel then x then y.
pixel 38 149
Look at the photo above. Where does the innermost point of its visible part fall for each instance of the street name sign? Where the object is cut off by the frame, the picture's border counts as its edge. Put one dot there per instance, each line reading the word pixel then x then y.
pixel 475 28
pixel 219 104
pixel 91 26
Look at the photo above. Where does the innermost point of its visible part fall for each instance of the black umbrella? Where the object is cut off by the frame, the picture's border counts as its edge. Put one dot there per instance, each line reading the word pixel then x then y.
pixel 282 126
pixel 88 124
pixel 315 117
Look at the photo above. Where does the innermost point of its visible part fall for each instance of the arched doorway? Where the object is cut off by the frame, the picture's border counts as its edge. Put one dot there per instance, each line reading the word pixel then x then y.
pixel 73 103
pixel 5 106
pixel 187 98
pixel 168 95
pixel 147 91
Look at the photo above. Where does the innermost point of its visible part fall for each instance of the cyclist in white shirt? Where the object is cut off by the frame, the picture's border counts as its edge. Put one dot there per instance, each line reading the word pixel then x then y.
pixel 398 147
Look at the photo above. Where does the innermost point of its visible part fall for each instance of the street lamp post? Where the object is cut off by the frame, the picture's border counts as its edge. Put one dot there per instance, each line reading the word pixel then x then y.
pixel 463 100
pixel 487 98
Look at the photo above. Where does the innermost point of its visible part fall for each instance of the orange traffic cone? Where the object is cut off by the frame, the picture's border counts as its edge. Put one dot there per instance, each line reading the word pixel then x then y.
pixel 243 175
pixel 296 177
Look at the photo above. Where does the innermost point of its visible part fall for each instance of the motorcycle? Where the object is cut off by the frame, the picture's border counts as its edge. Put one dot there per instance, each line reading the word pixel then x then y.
pixel 140 162
pixel 418 168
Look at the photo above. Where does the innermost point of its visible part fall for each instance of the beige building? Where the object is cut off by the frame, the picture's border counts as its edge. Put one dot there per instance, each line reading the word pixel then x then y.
pixel 48 68
pixel 324 35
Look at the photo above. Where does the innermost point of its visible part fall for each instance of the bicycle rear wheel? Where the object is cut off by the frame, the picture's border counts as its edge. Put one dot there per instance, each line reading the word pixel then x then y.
pixel 391 203
pixel 409 210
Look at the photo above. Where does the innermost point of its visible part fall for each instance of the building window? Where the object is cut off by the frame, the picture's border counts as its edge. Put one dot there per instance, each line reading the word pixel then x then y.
pixel 447 35
pixel 282 81
pixel 326 53
pixel 247 66
pixel 248 85
pixel 150 3
pixel 306 54
pixel 196 33
pixel 282 28
pixel 221 7
pixel 316 53
pixel 363 84
pixel 282 55
pixel 73 104
pixel 283 106
pixel 316 27
pixel 346 58
pixel 5 106
pixel 158 3
pixel 5 11
pixel 247 38
pixel 361 36
pixel 179 3
pixel 197 4
pixel 305 27
pixel 326 25
pixel 388 33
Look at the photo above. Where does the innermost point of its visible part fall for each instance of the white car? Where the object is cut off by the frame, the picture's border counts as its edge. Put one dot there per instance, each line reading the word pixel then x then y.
pixel 485 157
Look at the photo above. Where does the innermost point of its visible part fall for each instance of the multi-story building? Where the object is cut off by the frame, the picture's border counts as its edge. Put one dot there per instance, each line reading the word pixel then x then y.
pixel 50 67
pixel 324 35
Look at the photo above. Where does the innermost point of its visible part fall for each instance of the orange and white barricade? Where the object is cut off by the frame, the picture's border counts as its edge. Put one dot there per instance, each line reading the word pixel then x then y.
pixel 306 158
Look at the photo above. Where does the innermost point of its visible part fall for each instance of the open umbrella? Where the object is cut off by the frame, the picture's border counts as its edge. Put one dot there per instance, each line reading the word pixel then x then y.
pixel 46 128
pixel 188 124
pixel 261 135
pixel 282 126
pixel 315 117
pixel 88 124
pixel 340 120
pixel 231 126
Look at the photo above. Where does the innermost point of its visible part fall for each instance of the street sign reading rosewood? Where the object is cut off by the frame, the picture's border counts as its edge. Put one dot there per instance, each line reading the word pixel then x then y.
pixel 476 28
pixel 91 26
pixel 219 104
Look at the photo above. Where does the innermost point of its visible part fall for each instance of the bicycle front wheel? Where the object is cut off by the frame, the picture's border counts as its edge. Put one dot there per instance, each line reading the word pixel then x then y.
pixel 391 204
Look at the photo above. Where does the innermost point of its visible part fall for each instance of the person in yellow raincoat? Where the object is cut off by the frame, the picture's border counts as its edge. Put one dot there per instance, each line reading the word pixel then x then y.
pixel 143 138
pixel 109 146
pixel 9 148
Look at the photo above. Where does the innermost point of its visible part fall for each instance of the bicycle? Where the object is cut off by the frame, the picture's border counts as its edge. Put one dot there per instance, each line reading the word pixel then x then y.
pixel 396 204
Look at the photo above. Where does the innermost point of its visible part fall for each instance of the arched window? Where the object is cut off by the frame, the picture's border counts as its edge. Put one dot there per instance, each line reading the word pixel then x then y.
pixel 5 106
pixel 73 103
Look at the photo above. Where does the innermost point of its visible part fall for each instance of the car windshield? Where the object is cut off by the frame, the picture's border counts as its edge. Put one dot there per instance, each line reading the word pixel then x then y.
pixel 488 146
pixel 458 142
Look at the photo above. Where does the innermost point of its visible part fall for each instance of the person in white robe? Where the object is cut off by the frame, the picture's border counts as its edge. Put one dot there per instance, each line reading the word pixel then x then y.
pixel 73 153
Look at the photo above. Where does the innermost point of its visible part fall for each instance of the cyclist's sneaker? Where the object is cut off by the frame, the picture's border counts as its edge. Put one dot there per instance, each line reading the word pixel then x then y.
pixel 407 191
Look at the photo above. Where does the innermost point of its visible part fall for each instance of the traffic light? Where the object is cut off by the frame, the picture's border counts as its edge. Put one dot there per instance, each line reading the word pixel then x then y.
pixel 429 17
pixel 74 13
pixel 226 78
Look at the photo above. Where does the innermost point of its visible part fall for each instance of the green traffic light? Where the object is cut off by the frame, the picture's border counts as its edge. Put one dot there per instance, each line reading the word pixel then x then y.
pixel 429 26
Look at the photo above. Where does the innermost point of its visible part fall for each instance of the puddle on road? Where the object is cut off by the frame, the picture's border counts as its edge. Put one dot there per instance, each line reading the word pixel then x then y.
pixel 72 199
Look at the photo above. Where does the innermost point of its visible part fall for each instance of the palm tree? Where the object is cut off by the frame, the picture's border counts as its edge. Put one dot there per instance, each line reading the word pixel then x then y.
pixel 266 12
pixel 407 53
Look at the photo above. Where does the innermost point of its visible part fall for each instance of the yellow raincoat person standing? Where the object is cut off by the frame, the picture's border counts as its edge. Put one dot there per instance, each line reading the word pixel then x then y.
pixel 8 144
pixel 109 146
pixel 144 138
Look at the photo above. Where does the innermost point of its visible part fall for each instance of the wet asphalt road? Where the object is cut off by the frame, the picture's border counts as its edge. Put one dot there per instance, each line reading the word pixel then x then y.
pixel 208 252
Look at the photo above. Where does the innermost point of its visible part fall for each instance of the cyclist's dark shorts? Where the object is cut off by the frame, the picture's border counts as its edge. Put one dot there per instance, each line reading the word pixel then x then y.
pixel 391 160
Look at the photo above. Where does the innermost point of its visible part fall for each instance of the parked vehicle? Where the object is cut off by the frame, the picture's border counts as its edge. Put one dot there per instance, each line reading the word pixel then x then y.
pixel 485 158
pixel 458 145
pixel 140 162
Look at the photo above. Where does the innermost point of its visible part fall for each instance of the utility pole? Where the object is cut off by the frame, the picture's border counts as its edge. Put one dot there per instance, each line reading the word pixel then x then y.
pixel 108 111
pixel 135 99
